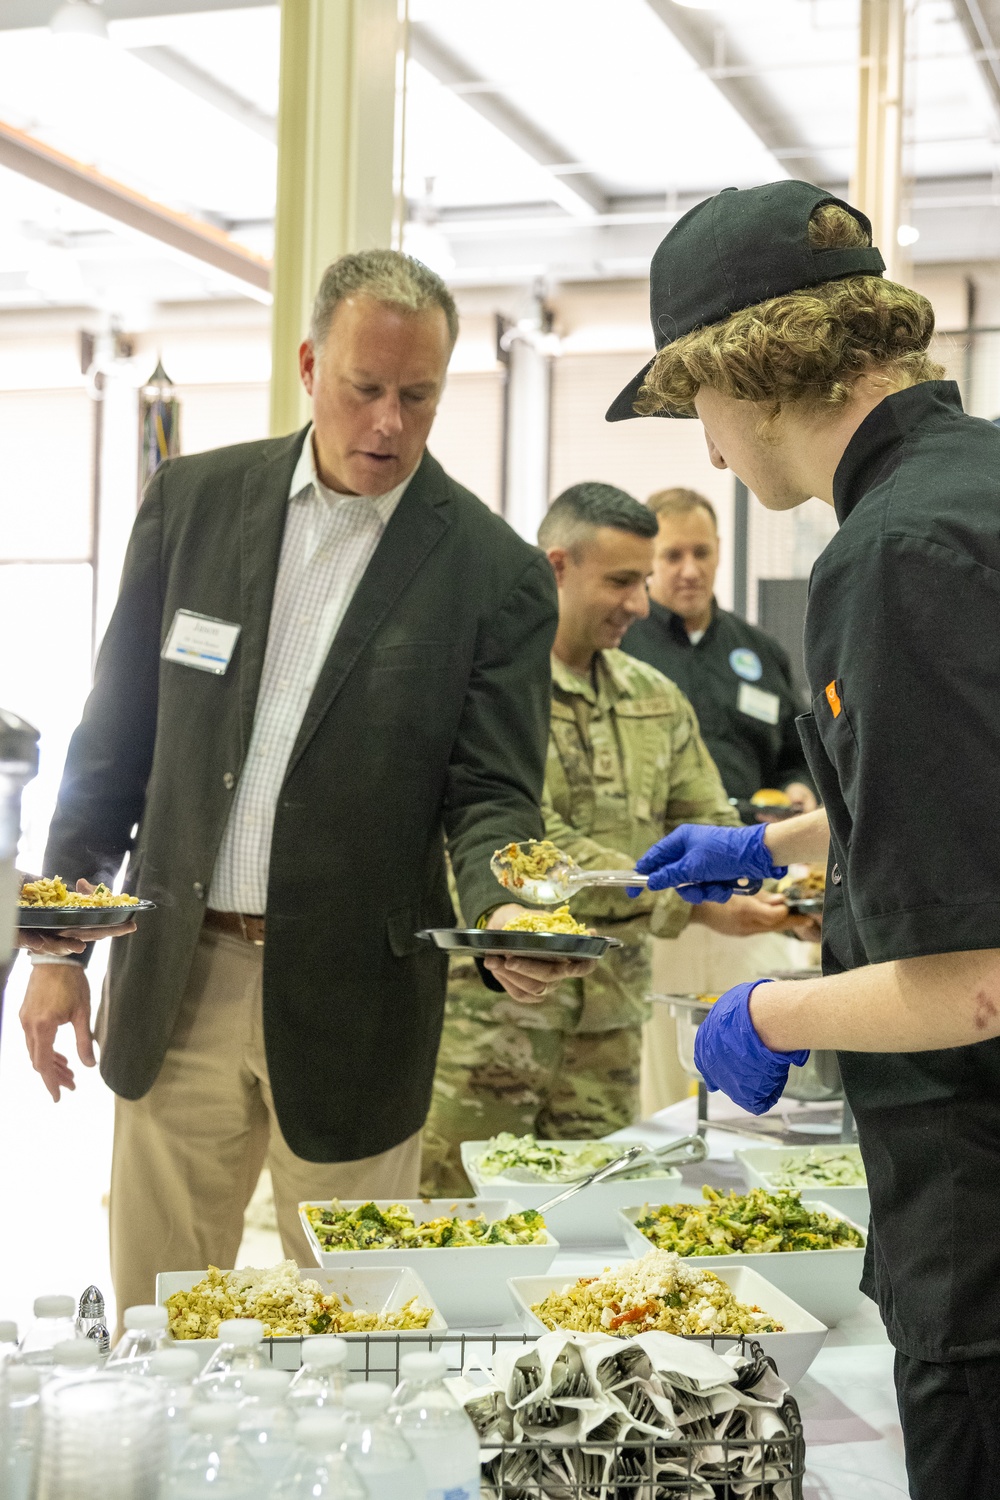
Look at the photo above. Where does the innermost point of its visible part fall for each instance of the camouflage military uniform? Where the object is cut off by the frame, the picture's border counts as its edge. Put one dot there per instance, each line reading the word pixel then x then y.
pixel 626 763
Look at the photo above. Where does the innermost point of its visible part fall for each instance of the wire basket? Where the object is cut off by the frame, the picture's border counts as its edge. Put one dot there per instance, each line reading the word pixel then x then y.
pixel 648 1469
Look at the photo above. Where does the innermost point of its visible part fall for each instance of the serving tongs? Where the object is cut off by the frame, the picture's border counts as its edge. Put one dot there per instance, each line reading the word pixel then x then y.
pixel 690 1148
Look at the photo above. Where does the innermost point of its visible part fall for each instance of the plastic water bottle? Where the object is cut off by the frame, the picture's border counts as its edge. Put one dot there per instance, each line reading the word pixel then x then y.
pixel 383 1459
pixel 90 1313
pixel 266 1424
pixel 321 1471
pixel 437 1429
pixel 174 1370
pixel 145 1334
pixel 55 1323
pixel 77 1356
pixel 214 1464
pixel 20 1426
pixel 322 1379
pixel 238 1353
pixel 8 1339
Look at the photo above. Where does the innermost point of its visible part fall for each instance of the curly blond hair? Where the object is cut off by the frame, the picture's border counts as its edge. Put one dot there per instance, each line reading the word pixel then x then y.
pixel 808 346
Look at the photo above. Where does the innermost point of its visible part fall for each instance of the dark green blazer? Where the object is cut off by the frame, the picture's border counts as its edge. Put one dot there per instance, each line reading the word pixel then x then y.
pixel 428 723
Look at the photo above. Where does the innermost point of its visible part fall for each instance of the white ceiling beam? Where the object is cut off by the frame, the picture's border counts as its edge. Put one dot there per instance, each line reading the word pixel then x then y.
pixel 179 69
pixel 584 196
pixel 22 153
pixel 20 15
pixel 770 122
pixel 980 21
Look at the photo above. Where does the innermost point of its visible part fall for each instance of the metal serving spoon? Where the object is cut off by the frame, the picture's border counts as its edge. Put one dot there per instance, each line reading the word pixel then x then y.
pixel 564 879
pixel 612 1167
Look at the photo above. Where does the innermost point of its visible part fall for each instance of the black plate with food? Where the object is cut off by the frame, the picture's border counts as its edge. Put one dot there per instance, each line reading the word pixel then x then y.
pixel 63 918
pixel 518 944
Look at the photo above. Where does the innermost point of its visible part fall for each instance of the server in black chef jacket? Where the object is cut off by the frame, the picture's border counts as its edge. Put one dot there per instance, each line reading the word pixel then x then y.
pixel 810 375
pixel 737 677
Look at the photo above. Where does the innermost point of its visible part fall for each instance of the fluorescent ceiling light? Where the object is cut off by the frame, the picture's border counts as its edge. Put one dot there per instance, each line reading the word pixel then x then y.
pixel 80 18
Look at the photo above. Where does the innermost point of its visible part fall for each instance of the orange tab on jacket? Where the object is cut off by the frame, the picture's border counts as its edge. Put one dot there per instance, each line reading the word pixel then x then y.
pixel 833 698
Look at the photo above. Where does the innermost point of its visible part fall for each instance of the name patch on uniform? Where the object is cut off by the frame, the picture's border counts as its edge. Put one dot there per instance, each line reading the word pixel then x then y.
pixel 746 664
pixel 201 641
pixel 758 704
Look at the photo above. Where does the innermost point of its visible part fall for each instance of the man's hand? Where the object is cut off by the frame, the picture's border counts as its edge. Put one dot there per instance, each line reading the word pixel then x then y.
pixel 57 995
pixel 751 915
pixel 530 979
pixel 801 796
pixel 74 939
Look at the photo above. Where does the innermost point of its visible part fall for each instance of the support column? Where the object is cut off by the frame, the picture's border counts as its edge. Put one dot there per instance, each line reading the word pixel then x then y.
pixel 878 175
pixel 336 153
pixel 525 349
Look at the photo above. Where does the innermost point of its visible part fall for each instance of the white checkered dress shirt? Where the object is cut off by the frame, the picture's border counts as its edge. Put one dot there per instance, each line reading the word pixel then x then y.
pixel 328 543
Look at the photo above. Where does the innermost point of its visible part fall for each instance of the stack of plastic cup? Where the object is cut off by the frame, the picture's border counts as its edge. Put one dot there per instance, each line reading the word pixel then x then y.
pixel 102 1438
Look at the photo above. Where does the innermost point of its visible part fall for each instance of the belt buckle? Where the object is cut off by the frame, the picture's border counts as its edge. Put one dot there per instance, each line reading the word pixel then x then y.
pixel 257 942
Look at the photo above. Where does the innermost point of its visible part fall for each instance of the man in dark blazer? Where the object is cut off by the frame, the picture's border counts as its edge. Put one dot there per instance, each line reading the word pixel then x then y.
pixel 328 661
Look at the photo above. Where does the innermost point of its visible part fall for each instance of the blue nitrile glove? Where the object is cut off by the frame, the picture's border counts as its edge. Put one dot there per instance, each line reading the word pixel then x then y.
pixel 708 862
pixel 730 1055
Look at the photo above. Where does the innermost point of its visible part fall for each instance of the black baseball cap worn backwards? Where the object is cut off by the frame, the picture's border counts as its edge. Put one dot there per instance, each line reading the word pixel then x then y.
pixel 735 250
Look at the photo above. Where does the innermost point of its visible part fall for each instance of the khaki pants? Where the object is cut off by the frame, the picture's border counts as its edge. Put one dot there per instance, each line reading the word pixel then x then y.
pixel 702 962
pixel 187 1155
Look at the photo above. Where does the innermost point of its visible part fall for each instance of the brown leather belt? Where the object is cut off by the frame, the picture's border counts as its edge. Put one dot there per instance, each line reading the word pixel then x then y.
pixel 237 924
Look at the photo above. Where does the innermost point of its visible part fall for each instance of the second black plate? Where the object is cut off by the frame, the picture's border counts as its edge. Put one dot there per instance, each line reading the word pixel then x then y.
pixel 518 944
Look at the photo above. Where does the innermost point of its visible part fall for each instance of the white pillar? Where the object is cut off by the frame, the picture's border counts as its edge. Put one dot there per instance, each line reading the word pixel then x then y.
pixel 877 184
pixel 336 152
pixel 119 476
pixel 527 412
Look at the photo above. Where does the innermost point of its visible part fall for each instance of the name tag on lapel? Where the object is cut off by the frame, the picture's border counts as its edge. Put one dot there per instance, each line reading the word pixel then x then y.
pixel 201 641
pixel 758 704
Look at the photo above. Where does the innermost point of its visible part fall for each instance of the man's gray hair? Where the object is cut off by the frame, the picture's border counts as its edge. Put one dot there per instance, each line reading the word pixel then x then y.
pixel 387 276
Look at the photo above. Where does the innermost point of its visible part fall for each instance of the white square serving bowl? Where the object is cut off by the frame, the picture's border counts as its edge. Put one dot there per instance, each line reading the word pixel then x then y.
pixel 590 1217
pixel 758 1163
pixel 824 1282
pixel 792 1351
pixel 468 1282
pixel 381 1288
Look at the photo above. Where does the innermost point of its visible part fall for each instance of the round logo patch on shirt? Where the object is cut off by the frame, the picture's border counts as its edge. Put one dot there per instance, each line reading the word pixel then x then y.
pixel 746 664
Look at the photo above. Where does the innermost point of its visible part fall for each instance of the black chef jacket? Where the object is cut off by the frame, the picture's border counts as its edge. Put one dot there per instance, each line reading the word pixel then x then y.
pixel 740 684
pixel 903 661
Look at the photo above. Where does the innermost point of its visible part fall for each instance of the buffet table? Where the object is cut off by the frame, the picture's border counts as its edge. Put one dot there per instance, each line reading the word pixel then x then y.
pixel 854 1445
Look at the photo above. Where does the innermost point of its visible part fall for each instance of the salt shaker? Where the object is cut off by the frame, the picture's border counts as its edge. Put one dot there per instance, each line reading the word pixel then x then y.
pixel 91 1313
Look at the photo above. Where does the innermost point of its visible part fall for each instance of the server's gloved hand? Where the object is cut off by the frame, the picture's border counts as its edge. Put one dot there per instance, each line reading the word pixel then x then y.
pixel 730 1055
pixel 708 863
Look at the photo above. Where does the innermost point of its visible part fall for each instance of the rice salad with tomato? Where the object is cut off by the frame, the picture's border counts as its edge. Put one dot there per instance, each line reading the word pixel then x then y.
pixel 660 1292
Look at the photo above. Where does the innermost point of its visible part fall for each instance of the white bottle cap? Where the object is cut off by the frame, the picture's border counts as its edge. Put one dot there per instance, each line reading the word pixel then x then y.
pixel 325 1352
pixel 176 1364
pixel 146 1317
pixel 8 1332
pixel 367 1397
pixel 427 1366
pixel 55 1307
pixel 320 1430
pixel 267 1385
pixel 214 1416
pixel 242 1331
pixel 77 1352
pixel 22 1379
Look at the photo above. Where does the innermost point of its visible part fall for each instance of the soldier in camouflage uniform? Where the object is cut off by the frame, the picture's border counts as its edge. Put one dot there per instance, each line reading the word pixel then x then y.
pixel 626 763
